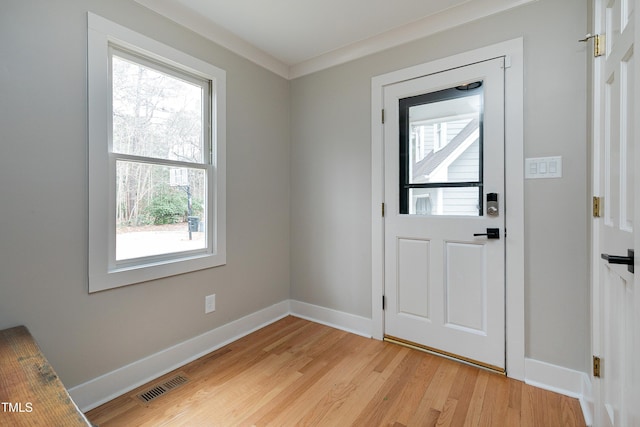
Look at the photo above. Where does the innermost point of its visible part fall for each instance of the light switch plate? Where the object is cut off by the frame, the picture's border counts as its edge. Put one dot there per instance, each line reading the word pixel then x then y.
pixel 543 167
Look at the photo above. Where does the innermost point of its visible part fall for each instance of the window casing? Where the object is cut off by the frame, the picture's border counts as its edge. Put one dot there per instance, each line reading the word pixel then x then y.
pixel 156 156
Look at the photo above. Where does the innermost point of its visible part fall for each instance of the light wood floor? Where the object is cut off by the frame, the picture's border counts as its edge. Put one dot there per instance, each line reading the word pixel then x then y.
pixel 299 373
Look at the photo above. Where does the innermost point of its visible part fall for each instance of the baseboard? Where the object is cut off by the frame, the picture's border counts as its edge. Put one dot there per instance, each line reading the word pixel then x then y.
pixel 561 380
pixel 106 387
pixel 336 319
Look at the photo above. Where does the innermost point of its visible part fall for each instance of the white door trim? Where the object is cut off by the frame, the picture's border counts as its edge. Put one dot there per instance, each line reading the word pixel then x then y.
pixel 514 188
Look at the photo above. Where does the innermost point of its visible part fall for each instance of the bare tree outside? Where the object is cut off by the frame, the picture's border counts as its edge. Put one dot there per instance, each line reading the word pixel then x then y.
pixel 157 116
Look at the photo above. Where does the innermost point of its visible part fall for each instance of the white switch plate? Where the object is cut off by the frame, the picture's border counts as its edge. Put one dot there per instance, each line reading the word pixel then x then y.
pixel 210 303
pixel 543 167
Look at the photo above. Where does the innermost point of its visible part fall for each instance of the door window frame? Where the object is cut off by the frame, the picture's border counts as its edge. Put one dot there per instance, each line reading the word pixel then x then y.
pixel 440 133
pixel 512 51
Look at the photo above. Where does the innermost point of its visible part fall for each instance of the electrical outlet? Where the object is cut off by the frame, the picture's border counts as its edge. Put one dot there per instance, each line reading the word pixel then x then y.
pixel 210 303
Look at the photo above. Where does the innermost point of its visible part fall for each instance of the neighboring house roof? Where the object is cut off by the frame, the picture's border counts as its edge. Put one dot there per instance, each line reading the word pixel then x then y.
pixel 433 160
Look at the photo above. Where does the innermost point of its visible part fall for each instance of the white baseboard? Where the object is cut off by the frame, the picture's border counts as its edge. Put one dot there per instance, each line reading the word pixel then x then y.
pixel 106 387
pixel 336 319
pixel 561 380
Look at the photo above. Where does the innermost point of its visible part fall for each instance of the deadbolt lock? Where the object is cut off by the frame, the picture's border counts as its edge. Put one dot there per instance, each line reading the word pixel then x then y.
pixel 492 204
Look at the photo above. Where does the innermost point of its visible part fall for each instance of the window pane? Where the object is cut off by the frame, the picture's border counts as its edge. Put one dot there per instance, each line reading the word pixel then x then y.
pixel 440 137
pixel 159 210
pixel 445 201
pixel 444 141
pixel 156 114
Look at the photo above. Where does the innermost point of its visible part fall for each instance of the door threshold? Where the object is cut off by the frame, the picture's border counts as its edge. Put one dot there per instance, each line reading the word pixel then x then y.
pixel 447 355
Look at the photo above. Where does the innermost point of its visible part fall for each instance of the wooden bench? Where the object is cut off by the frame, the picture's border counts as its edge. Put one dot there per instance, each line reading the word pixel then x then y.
pixel 30 391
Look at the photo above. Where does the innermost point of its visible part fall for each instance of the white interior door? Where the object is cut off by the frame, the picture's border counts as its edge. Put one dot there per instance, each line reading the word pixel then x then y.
pixel 444 165
pixel 616 303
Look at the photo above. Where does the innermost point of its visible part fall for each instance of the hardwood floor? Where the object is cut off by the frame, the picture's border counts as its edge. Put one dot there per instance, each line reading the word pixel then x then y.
pixel 299 373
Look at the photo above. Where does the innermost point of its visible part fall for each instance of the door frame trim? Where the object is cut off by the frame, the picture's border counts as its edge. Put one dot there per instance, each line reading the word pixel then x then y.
pixel 513 50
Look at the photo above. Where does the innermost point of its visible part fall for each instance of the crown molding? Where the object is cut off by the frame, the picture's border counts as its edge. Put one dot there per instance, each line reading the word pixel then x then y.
pixel 421 28
pixel 217 34
pixel 450 18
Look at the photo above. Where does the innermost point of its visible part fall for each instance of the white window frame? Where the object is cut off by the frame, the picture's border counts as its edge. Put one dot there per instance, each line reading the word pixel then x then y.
pixel 104 272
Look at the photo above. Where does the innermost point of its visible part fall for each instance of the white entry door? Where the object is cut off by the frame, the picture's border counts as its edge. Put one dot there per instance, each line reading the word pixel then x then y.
pixel 616 289
pixel 444 222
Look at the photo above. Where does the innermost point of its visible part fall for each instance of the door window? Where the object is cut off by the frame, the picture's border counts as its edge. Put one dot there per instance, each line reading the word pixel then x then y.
pixel 441 152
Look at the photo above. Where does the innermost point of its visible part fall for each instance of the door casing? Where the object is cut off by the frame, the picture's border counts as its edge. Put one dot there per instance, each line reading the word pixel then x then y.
pixel 513 52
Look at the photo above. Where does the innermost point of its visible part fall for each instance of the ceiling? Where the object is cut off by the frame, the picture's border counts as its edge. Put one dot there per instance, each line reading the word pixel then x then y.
pixel 297 37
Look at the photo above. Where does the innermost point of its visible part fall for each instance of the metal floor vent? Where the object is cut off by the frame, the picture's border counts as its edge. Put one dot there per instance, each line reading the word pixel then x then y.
pixel 161 389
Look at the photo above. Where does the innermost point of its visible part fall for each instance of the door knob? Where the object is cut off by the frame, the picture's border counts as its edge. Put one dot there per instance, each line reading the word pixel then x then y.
pixel 492 233
pixel 619 259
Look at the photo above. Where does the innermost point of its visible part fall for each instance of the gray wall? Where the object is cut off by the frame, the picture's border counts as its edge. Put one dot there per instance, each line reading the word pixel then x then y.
pixel 299 189
pixel 330 173
pixel 43 196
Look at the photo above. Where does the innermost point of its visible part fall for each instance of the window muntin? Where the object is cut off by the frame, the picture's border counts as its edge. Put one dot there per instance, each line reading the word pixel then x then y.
pixel 441 152
pixel 182 167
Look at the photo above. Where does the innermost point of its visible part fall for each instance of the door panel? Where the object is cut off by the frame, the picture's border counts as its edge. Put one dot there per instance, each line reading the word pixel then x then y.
pixel 444 286
pixel 616 323
pixel 616 299
pixel 465 285
pixel 413 277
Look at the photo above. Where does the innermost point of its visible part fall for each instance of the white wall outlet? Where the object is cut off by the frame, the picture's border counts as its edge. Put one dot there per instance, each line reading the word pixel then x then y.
pixel 210 303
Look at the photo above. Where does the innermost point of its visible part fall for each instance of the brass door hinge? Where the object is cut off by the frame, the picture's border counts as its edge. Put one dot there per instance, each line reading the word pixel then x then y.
pixel 598 43
pixel 596 366
pixel 383 210
pixel 382 116
pixel 597 205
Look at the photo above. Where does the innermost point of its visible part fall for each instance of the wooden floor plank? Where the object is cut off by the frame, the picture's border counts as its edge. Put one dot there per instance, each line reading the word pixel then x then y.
pixel 408 401
pixel 477 400
pixel 387 395
pixel 463 392
pixel 435 396
pixel 494 410
pixel 296 372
